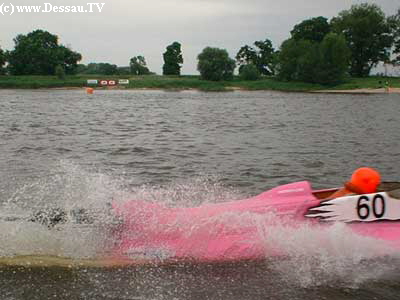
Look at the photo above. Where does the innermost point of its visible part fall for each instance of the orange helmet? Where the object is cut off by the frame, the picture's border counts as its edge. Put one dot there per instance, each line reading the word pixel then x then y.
pixel 366 180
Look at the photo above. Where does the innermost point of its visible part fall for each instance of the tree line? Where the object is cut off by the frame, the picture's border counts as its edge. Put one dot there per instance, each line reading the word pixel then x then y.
pixel 173 61
pixel 318 51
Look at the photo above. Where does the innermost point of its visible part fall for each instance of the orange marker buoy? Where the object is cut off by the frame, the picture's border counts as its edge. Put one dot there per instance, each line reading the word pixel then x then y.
pixel 89 91
pixel 366 180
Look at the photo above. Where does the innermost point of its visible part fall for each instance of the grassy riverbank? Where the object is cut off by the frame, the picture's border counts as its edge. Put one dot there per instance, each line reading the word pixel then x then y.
pixel 190 82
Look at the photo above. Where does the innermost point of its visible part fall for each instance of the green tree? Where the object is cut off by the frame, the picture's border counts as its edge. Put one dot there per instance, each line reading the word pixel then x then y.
pixel 3 61
pixel 368 35
pixel 249 72
pixel 265 57
pixel 215 64
pixel 262 56
pixel 292 59
pixel 107 69
pixel 246 55
pixel 334 56
pixel 309 61
pixel 99 68
pixel 124 70
pixel 60 72
pixel 69 59
pixel 138 66
pixel 173 59
pixel 394 22
pixel 81 69
pixel 92 68
pixel 38 53
pixel 313 29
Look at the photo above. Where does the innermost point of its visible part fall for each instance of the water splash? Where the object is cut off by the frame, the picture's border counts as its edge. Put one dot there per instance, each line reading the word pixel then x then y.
pixel 189 192
pixel 69 187
pixel 331 256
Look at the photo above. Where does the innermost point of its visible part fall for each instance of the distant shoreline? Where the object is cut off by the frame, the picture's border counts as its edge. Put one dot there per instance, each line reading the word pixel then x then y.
pixel 233 88
pixel 368 85
pixel 361 91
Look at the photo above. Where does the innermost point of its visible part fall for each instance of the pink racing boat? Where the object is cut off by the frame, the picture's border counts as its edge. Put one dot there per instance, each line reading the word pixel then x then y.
pixel 232 231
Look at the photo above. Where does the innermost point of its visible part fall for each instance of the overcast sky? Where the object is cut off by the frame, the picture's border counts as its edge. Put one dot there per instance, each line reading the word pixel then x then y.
pixel 126 28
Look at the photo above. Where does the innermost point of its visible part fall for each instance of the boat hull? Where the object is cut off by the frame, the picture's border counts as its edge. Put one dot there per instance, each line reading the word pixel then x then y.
pixel 231 231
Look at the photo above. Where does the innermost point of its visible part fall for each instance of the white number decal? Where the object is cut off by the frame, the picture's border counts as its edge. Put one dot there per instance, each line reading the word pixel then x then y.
pixel 362 208
pixel 366 207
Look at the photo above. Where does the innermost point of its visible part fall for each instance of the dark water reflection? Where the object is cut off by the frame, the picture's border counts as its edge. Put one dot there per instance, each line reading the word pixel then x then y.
pixel 251 140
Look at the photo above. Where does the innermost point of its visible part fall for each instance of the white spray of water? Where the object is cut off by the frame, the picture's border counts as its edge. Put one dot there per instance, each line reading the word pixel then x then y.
pixel 311 256
pixel 69 187
pixel 329 256
pixel 187 193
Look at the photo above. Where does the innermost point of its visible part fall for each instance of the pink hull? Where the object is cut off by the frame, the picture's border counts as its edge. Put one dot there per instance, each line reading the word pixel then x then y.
pixel 227 231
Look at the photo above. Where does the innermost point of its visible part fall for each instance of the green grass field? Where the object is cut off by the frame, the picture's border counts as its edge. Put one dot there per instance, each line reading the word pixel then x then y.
pixel 372 82
pixel 190 82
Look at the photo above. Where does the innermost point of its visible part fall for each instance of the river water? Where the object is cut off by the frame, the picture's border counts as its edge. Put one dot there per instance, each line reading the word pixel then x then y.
pixel 66 148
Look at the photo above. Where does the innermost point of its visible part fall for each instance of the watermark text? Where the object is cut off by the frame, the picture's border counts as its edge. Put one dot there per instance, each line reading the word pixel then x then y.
pixel 90 7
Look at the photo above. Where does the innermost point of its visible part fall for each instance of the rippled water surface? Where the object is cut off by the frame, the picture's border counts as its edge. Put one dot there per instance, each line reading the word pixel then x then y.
pixel 66 148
